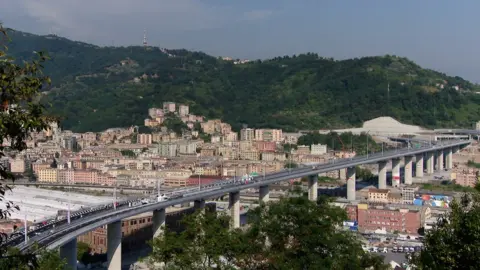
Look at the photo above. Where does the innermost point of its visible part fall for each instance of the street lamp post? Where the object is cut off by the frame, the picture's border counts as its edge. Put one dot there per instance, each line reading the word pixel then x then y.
pixel 264 171
pixel 199 182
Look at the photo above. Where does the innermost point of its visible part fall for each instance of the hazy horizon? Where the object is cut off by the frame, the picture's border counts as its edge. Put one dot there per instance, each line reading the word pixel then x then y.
pixel 439 37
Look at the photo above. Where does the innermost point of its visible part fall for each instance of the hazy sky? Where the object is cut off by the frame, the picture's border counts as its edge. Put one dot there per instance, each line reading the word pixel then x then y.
pixel 438 34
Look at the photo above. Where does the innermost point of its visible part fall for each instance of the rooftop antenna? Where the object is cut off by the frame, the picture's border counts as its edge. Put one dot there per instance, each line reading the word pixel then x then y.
pixel 145 38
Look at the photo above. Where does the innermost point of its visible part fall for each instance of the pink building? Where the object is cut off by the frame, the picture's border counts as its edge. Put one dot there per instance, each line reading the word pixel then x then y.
pixel 144 139
pixel 264 146
pixel 169 107
pixel 370 218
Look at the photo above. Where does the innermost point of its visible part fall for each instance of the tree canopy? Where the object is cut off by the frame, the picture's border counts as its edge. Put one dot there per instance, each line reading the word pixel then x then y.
pixel 293 233
pixel 20 115
pixel 100 87
pixel 454 241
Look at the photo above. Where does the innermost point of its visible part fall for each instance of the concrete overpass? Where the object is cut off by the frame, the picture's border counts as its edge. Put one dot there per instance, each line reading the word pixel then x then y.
pixel 65 236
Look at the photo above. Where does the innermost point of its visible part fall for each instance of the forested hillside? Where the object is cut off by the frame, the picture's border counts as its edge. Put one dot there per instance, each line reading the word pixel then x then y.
pixel 95 88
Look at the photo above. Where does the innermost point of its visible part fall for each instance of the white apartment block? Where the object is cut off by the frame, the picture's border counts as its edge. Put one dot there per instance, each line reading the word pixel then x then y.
pixel 318 149
pixel 189 147
pixel 183 110
pixel 268 135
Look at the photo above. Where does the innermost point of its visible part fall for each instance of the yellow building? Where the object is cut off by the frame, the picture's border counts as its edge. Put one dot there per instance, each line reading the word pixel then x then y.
pixel 48 175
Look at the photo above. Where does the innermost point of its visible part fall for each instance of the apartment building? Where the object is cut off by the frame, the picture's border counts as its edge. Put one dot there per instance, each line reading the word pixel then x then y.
pixel 390 219
pixel 66 176
pixel 169 107
pixel 49 175
pixel 155 112
pixel 408 194
pixel 269 135
pixel 376 195
pixel 318 149
pixel 247 134
pixel 17 165
pixel 303 150
pixel 188 147
pixel 273 156
pixel 265 146
pixel 145 139
pixel 231 137
pixel 467 176
pixel 250 155
pixel 183 110
pixel 167 149
pixel 216 126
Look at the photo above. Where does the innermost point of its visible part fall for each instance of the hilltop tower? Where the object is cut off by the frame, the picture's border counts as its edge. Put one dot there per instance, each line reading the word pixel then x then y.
pixel 145 38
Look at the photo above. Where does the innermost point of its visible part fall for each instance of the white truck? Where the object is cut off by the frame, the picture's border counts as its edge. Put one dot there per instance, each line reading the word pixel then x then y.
pixel 162 198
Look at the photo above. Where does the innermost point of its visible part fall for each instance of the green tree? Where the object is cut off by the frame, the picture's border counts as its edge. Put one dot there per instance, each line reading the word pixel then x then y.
pixel 83 252
pixel 453 243
pixel 205 240
pixel 30 174
pixel 20 115
pixel 303 235
pixel 293 233
pixel 175 124
pixel 42 259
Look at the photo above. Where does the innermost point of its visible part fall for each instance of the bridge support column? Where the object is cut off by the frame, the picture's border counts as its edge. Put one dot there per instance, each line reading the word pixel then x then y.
pixel 68 252
pixel 114 245
pixel 430 163
pixel 342 174
pixel 199 204
pixel 419 165
pixel 440 160
pixel 351 196
pixel 449 159
pixel 234 206
pixel 158 220
pixel 382 174
pixel 313 187
pixel 264 194
pixel 395 172
pixel 408 170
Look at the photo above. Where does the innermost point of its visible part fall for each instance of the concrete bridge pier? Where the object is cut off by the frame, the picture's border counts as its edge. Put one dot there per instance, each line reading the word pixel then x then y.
pixel 449 159
pixel 158 220
pixel 395 172
pixel 440 160
pixel 382 174
pixel 419 166
pixel 430 163
pixel 234 206
pixel 351 195
pixel 264 194
pixel 68 252
pixel 408 170
pixel 114 245
pixel 199 204
pixel 313 187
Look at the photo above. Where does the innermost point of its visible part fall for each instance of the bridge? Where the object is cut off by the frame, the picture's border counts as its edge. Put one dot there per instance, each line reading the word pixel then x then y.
pixel 64 235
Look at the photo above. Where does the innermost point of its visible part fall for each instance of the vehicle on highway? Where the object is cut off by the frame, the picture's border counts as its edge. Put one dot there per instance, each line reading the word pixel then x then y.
pixel 162 198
